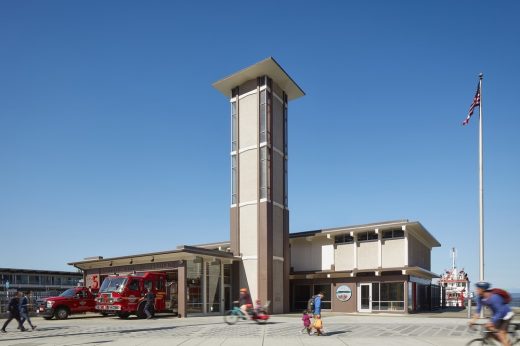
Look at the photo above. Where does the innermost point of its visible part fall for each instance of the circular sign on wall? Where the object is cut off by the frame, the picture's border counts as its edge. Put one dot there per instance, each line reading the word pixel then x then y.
pixel 343 293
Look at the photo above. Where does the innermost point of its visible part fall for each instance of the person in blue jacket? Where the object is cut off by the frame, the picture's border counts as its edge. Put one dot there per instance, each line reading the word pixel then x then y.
pixel 501 312
pixel 317 303
pixel 14 312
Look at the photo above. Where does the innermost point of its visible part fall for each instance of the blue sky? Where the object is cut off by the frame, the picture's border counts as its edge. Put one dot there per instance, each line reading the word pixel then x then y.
pixel 113 142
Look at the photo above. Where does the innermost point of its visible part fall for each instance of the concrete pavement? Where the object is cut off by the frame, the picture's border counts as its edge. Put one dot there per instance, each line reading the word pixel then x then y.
pixel 352 329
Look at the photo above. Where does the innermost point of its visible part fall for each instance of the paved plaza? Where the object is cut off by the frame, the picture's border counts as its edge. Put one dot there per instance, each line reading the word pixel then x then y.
pixel 352 329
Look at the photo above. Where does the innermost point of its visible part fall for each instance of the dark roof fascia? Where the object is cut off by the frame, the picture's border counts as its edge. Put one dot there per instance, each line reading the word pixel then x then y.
pixel 383 224
pixel 185 248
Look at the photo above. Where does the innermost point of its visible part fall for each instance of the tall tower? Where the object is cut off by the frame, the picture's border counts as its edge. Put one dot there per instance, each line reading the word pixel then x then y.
pixel 259 214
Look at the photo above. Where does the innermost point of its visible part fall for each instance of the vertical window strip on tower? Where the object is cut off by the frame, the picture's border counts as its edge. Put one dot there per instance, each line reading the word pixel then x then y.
pixel 234 126
pixel 263 172
pixel 234 181
pixel 285 146
pixel 263 116
pixel 234 146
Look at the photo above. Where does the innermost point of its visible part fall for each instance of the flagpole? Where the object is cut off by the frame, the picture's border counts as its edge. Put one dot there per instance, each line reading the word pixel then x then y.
pixel 481 182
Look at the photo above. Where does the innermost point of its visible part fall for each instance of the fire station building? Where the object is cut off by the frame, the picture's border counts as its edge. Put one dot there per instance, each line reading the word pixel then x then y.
pixel 367 268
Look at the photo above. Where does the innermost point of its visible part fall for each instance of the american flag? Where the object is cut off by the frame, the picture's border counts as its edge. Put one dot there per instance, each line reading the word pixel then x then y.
pixel 476 102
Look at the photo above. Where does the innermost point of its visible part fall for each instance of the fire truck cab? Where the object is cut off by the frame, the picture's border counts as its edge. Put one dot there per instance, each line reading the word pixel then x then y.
pixel 123 295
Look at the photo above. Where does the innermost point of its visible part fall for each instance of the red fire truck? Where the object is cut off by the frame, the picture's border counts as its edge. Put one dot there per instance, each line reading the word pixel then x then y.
pixel 123 295
pixel 75 300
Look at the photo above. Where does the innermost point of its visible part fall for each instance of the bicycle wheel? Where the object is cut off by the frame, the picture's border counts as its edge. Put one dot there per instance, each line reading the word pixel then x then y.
pixel 231 317
pixel 478 341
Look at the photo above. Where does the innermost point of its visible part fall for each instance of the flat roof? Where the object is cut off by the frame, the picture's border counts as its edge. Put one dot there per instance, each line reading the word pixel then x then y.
pixel 268 67
pixel 418 229
pixel 181 253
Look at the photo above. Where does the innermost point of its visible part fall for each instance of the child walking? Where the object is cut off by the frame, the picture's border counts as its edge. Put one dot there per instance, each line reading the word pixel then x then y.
pixel 306 318
pixel 318 325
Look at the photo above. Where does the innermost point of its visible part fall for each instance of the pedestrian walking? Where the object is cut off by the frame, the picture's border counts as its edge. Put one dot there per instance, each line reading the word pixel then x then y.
pixel 14 312
pixel 317 303
pixel 318 325
pixel 306 318
pixel 149 305
pixel 24 310
pixel 317 314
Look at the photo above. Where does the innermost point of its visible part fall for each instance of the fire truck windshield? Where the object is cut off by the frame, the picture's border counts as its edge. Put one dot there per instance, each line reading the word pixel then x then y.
pixel 113 284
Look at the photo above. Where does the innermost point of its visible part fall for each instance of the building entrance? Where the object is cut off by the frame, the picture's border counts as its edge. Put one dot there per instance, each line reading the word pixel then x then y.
pixel 365 297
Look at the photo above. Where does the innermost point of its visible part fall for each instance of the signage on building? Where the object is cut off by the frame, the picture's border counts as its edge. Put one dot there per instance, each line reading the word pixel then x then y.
pixel 343 293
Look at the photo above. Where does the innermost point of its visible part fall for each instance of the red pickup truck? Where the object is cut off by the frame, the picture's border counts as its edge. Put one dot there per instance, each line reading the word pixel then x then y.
pixel 73 301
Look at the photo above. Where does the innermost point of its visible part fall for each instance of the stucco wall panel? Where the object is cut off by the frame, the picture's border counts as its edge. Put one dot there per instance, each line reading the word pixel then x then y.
pixel 418 253
pixel 367 255
pixel 344 256
pixel 248 230
pixel 248 176
pixel 307 255
pixel 248 120
pixel 393 252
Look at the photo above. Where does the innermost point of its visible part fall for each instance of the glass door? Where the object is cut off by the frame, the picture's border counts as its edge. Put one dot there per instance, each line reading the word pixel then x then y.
pixel 365 298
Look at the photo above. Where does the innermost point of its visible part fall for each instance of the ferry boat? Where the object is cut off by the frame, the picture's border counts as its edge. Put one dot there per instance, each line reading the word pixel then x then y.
pixel 454 285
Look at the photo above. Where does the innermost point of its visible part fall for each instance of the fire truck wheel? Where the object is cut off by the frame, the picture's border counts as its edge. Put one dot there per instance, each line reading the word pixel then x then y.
pixel 140 311
pixel 123 315
pixel 61 314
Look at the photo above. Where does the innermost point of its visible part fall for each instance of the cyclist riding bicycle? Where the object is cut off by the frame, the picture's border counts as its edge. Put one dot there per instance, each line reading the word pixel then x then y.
pixel 244 301
pixel 502 314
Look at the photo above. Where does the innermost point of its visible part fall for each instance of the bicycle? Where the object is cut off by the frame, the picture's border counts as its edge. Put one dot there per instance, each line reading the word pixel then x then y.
pixel 232 316
pixel 487 338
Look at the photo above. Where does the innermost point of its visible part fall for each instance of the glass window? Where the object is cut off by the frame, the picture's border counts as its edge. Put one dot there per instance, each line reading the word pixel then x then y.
pixel 325 289
pixel 387 234
pixel 263 172
pixel 234 180
pixel 22 279
pixel 68 293
pixel 396 233
pixel 263 116
pixel 285 119
pixel 285 183
pixel 399 233
pixel 234 126
pixel 388 296
pixel 366 236
pixel 343 239
pixel 111 284
pixel 213 286
pixel 285 146
pixel 133 285
pixel 375 291
pixel 159 284
pixel 302 294
pixel 194 285
pixel 227 274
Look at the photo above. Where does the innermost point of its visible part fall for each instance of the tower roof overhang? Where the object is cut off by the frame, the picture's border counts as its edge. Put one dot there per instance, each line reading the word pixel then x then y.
pixel 268 67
